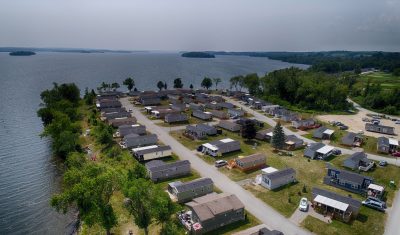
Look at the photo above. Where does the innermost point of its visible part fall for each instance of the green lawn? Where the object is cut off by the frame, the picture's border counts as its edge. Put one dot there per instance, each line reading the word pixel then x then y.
pixel 387 80
pixel 369 221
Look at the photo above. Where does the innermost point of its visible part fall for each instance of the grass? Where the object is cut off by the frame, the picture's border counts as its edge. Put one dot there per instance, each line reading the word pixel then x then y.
pixel 387 80
pixel 369 221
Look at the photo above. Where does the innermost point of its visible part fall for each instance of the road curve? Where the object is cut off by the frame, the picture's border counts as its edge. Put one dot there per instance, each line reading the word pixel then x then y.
pixel 258 208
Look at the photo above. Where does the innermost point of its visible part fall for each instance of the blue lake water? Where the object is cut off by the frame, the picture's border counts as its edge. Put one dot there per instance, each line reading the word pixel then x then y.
pixel 29 175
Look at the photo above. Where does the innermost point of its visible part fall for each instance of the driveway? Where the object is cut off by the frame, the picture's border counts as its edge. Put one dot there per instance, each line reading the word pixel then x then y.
pixel 255 206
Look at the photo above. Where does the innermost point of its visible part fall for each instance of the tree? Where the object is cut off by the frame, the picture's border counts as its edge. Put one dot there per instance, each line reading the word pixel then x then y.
pixel 278 137
pixel 178 83
pixel 163 207
pixel 139 204
pixel 160 85
pixel 252 83
pixel 191 86
pixel 206 83
pixel 248 130
pixel 170 228
pixel 129 83
pixel 115 85
pixel 216 82
pixel 165 85
pixel 89 188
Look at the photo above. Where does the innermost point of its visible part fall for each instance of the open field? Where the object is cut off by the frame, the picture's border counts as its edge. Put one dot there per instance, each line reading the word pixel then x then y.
pixel 387 80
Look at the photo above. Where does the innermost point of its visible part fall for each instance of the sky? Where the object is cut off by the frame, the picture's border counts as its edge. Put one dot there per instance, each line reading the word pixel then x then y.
pixel 196 25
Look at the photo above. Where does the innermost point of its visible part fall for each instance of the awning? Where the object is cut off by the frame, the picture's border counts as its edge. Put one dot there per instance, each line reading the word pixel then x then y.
pixel 393 142
pixel 210 146
pixel 376 187
pixel 270 134
pixel 326 149
pixel 328 132
pixel 331 203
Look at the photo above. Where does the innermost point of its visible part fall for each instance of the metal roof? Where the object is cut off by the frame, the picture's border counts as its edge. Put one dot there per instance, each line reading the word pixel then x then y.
pixel 331 202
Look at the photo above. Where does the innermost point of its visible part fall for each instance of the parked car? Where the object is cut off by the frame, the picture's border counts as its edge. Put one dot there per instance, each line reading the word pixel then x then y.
pixel 303 206
pixel 220 163
pixel 396 154
pixel 393 119
pixel 382 163
pixel 397 122
pixel 337 152
pixel 343 127
pixel 374 204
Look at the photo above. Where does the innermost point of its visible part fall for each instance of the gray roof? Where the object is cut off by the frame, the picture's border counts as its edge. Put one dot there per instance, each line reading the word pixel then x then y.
pixel 153 150
pixel 319 131
pixel 350 176
pixel 310 151
pixel 281 173
pixel 176 117
pixel 349 138
pixel 265 231
pixel 213 204
pixel 205 127
pixel 187 186
pixel 158 165
pixel 252 158
pixel 348 200
pixel 293 138
pixel 383 141
pixel 228 124
pixel 357 157
pixel 220 143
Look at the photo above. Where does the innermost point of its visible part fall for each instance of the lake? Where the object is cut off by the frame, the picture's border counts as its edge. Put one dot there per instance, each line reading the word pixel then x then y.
pixel 29 175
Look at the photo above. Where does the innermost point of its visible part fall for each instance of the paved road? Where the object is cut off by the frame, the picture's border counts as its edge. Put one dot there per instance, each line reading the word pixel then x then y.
pixel 391 228
pixel 258 208
pixel 272 122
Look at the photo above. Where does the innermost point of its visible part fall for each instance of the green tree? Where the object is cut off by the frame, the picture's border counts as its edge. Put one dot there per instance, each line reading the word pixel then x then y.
pixel 248 130
pixel 139 204
pixel 160 85
pixel 278 137
pixel 115 85
pixel 170 228
pixel 178 83
pixel 191 86
pixel 235 81
pixel 129 83
pixel 165 85
pixel 252 83
pixel 216 82
pixel 89 189
pixel 206 83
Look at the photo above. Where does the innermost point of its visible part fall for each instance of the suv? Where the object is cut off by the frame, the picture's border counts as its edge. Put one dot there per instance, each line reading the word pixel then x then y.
pixel 374 203
pixel 220 163
pixel 337 152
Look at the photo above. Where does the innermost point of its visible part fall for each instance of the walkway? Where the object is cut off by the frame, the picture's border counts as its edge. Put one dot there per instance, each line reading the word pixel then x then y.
pixel 255 206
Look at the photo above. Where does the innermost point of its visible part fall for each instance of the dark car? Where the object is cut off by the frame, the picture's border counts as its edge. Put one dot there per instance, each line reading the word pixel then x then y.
pixel 343 127
pixel 383 163
pixel 337 151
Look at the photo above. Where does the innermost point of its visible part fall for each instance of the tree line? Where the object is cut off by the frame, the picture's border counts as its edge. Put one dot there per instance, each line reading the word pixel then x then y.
pixel 90 183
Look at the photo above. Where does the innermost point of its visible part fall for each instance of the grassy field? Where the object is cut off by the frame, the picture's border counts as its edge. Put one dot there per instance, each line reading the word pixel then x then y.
pixel 387 80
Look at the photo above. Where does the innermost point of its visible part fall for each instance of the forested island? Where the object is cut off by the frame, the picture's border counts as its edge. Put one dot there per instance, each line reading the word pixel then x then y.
pixel 195 54
pixel 22 53
pixel 333 61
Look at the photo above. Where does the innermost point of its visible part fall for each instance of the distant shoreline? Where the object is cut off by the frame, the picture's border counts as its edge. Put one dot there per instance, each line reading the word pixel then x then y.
pixel 197 55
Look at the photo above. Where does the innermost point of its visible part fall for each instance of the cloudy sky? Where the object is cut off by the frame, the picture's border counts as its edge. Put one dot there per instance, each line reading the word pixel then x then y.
pixel 232 25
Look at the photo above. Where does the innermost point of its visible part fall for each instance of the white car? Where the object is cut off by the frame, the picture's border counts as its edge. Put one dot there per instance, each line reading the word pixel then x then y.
pixel 303 206
pixel 220 163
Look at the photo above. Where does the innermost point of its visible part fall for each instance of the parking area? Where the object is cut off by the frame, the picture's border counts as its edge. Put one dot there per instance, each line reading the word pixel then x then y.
pixel 356 124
